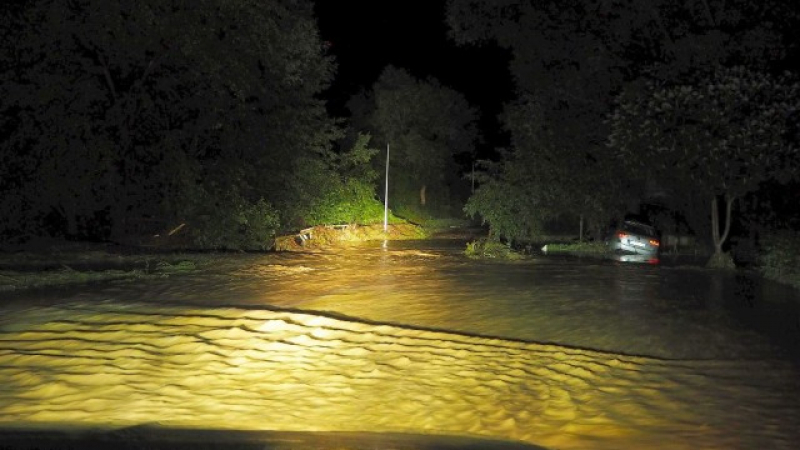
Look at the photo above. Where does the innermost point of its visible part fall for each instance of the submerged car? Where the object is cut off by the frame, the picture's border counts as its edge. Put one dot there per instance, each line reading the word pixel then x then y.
pixel 634 238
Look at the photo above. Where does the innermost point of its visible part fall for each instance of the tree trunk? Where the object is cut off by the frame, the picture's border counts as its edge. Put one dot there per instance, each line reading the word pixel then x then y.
pixel 720 259
pixel 715 226
pixel 422 195
pixel 68 211
pixel 719 240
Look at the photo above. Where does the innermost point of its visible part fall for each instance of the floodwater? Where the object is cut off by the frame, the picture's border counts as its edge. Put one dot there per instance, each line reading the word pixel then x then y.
pixel 413 337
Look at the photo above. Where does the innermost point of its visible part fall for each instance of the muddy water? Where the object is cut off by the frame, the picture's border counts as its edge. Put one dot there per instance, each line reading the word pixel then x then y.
pixel 414 337
pixel 640 309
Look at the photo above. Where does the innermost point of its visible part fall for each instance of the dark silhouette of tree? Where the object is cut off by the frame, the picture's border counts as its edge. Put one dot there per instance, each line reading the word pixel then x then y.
pixel 570 59
pixel 718 138
pixel 539 184
pixel 114 111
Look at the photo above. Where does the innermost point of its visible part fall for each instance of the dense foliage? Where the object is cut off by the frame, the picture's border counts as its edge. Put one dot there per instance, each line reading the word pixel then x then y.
pixel 571 60
pixel 491 249
pixel 537 185
pixel 122 118
pixel 779 257
pixel 425 125
pixel 507 200
pixel 342 190
pixel 719 137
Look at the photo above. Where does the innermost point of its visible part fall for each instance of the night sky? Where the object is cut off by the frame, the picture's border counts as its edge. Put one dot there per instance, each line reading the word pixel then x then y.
pixel 366 36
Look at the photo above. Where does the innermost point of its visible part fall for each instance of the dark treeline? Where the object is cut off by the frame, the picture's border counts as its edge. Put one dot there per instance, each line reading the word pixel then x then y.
pixel 129 117
pixel 123 119
pixel 682 105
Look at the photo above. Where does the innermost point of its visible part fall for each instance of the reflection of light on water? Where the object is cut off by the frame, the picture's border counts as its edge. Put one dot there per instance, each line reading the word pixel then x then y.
pixel 280 370
pixel 647 259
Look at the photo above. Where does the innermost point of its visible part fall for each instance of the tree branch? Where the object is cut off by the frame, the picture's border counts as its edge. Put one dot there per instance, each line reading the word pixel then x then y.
pixel 709 13
pixel 149 69
pixel 107 76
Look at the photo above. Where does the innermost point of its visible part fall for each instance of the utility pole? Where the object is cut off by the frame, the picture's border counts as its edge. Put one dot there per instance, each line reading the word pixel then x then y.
pixel 386 195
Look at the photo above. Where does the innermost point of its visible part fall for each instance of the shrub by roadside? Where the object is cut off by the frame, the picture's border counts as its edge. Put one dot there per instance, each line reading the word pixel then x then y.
pixel 13 280
pixel 577 247
pixel 330 236
pixel 485 248
pixel 779 257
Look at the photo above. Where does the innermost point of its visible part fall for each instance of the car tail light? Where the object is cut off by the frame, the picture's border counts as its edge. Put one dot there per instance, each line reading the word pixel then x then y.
pixel 654 243
pixel 622 235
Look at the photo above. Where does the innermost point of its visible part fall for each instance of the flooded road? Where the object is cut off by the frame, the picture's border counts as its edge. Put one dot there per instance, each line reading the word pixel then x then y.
pixel 413 337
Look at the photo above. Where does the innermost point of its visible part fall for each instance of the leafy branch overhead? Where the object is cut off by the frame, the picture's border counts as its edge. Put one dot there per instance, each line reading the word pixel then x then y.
pixel 724 134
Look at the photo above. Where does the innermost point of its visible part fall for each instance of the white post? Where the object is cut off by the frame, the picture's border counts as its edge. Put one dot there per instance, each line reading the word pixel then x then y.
pixel 386 195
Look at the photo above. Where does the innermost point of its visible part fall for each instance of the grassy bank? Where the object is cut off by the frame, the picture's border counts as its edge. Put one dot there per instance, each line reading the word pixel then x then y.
pixel 592 248
pixel 70 263
pixel 326 236
pixel 61 263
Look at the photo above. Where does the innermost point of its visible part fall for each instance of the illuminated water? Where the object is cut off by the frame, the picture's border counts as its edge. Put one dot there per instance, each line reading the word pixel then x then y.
pixel 416 338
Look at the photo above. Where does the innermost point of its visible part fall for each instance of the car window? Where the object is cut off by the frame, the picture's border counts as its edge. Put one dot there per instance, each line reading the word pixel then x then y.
pixel 639 228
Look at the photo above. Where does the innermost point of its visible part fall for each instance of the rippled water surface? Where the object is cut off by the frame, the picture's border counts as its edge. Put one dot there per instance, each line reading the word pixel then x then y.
pixel 415 337
pixel 642 309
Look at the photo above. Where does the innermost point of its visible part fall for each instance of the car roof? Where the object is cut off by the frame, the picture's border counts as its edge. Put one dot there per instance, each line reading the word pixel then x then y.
pixel 638 222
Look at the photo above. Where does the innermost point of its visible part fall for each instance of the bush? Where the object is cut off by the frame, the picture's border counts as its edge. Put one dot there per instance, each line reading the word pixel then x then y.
pixel 233 223
pixel 578 247
pixel 334 188
pixel 509 213
pixel 350 201
pixel 486 248
pixel 779 257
